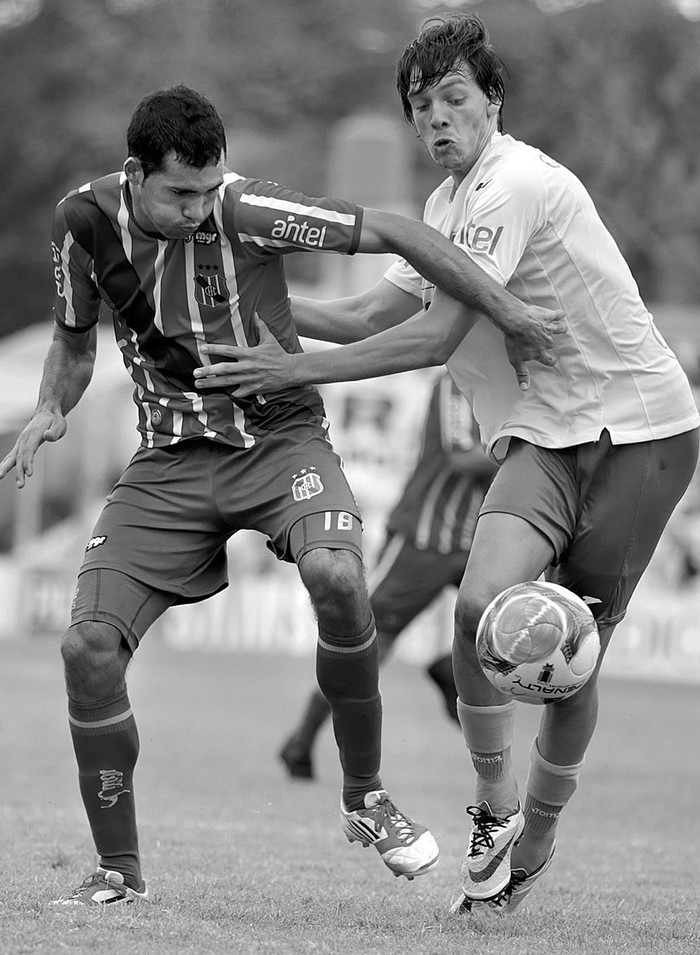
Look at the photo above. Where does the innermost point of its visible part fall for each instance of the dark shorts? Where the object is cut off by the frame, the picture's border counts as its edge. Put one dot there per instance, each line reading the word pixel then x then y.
pixel 603 507
pixel 166 523
pixel 406 580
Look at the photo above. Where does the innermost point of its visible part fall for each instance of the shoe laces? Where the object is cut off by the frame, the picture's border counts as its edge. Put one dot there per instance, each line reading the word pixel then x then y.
pixel 484 825
pixel 386 815
pixel 94 879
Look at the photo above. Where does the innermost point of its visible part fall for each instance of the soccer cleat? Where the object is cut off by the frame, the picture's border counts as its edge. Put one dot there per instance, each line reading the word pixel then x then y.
pixel 297 760
pixel 520 886
pixel 440 672
pixel 406 847
pixel 103 887
pixel 486 867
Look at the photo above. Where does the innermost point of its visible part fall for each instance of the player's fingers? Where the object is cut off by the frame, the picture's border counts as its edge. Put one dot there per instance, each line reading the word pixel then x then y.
pixel 523 375
pixel 264 333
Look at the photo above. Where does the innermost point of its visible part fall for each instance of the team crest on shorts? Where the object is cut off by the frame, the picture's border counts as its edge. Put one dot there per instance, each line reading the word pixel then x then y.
pixel 307 483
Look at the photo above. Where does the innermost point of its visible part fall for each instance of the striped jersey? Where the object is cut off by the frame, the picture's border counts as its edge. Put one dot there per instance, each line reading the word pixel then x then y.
pixel 438 508
pixel 170 296
pixel 531 225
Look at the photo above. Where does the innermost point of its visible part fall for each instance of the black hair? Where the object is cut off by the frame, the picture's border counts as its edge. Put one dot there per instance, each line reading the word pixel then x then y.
pixel 444 43
pixel 178 120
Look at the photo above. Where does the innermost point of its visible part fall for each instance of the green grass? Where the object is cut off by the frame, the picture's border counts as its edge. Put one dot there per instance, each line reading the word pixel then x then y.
pixel 241 860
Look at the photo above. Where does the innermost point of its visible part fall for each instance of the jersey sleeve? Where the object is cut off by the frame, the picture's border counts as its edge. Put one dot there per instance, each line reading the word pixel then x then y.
pixel 281 220
pixel 77 300
pixel 501 215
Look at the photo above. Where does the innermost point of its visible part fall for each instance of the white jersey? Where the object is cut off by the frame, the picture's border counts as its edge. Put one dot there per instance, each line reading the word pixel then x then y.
pixel 531 225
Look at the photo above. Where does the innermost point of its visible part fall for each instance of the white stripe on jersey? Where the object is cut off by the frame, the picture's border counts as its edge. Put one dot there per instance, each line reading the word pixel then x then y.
pixel 385 563
pixel 285 205
pixel 158 273
pixel 70 318
pixel 427 513
pixel 192 306
pixel 230 276
pixel 231 280
pixel 123 220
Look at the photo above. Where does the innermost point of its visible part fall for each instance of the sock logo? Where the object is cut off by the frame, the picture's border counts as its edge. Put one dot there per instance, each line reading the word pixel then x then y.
pixel 541 812
pixel 112 787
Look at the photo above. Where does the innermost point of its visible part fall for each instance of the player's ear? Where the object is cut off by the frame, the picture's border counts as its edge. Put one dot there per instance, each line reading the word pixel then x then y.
pixel 493 107
pixel 134 171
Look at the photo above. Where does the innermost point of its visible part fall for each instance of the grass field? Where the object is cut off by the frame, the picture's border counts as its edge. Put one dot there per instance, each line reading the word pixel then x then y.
pixel 240 860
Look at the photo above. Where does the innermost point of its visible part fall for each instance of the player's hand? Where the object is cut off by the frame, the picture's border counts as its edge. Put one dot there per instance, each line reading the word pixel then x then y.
pixel 44 426
pixel 251 371
pixel 530 337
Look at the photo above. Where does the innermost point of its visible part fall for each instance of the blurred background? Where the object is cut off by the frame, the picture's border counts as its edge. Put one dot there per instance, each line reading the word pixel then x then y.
pixel 610 88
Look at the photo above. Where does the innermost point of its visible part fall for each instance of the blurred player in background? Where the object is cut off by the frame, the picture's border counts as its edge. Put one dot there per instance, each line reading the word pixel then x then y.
pixel 428 535
pixel 594 456
pixel 184 252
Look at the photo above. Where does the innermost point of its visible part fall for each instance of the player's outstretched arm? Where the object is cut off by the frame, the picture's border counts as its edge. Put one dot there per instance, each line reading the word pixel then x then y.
pixel 528 329
pixel 67 372
pixel 425 340
pixel 354 317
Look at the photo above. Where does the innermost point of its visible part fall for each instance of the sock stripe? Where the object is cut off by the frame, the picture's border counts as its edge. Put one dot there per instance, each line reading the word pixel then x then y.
pixel 352 648
pixel 100 724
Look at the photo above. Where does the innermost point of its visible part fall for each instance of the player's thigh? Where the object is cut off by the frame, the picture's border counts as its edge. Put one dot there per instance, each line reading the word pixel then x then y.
pixel 161 526
pixel 633 492
pixel 294 491
pixel 527 516
pixel 108 602
pixel 406 580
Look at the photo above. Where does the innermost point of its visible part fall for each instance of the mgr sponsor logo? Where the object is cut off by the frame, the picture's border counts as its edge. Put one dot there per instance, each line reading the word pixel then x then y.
pixel 203 238
pixel 299 232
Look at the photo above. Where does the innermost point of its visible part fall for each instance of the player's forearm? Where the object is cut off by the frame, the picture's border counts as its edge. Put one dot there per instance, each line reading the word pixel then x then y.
pixel 67 371
pixel 446 266
pixel 338 321
pixel 414 344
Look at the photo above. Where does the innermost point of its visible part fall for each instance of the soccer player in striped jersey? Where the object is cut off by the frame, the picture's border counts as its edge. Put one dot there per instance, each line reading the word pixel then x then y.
pixel 594 455
pixel 184 252
pixel 428 535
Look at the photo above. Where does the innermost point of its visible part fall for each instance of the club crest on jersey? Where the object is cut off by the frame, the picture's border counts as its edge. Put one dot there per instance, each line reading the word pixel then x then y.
pixel 306 484
pixel 210 290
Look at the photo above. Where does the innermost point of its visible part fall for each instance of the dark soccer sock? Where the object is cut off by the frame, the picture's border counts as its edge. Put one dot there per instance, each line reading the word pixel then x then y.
pixel 347 670
pixel 106 745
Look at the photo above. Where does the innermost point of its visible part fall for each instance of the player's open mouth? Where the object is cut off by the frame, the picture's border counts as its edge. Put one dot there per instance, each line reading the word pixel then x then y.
pixel 442 143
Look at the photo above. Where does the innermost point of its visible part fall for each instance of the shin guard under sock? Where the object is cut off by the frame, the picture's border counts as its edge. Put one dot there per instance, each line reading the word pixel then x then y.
pixel 488 733
pixel 347 670
pixel 106 744
pixel 549 789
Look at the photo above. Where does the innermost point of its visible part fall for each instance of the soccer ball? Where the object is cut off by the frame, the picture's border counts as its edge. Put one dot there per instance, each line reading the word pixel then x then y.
pixel 538 642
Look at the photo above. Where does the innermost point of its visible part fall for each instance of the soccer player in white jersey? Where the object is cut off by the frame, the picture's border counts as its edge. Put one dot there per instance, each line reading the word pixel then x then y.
pixel 594 452
pixel 184 252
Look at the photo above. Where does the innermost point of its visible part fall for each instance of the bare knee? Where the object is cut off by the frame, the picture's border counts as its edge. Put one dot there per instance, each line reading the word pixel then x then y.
pixel 95 659
pixel 336 585
pixel 468 611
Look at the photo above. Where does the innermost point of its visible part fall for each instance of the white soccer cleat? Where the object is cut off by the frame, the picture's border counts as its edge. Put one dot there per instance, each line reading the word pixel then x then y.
pixel 103 887
pixel 486 868
pixel 406 847
pixel 520 886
